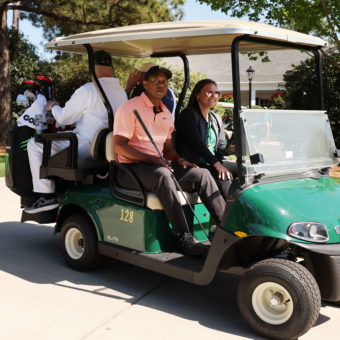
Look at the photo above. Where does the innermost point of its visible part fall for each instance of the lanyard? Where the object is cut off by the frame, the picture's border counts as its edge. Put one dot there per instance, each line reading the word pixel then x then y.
pixel 208 136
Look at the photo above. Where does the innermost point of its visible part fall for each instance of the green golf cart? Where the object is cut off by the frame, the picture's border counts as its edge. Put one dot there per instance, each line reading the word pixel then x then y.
pixel 281 227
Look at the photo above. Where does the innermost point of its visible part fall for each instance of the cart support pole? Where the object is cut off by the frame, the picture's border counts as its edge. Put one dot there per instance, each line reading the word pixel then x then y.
pixel 237 106
pixel 318 62
pixel 185 85
pixel 99 87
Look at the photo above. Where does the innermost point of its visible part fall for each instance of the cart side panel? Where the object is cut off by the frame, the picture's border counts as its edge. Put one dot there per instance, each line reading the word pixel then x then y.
pixel 126 224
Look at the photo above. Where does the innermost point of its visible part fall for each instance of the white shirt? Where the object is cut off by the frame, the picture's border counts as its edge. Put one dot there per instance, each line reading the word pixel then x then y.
pixel 86 109
pixel 28 117
pixel 174 100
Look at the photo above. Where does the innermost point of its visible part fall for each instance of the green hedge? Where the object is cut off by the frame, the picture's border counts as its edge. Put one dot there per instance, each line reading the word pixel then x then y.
pixel 2 166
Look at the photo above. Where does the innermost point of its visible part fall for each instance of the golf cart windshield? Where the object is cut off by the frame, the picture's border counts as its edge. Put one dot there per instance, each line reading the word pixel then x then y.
pixel 289 141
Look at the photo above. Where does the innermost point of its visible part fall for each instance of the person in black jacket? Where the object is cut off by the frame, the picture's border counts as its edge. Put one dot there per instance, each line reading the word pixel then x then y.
pixel 200 136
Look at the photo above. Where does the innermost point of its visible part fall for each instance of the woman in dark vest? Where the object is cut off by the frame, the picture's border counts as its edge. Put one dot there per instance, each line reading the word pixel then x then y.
pixel 200 136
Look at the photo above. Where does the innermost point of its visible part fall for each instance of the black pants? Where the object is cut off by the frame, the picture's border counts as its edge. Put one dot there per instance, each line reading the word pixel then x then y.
pixel 223 185
pixel 159 180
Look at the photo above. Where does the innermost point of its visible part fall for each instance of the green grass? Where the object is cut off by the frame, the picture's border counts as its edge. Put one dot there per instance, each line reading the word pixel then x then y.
pixel 2 166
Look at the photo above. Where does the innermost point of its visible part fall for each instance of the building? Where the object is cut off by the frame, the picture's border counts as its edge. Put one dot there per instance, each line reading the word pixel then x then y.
pixel 267 77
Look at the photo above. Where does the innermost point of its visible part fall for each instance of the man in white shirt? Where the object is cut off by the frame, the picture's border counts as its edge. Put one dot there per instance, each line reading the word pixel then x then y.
pixel 85 109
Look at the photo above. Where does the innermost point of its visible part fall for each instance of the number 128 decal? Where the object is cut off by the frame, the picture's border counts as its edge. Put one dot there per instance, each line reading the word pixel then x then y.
pixel 126 215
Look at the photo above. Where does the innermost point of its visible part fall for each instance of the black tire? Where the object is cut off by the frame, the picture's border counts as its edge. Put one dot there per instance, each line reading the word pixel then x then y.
pixel 79 243
pixel 279 299
pixel 334 303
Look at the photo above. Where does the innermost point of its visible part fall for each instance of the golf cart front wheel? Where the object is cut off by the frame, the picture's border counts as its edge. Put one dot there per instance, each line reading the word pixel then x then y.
pixel 79 243
pixel 279 299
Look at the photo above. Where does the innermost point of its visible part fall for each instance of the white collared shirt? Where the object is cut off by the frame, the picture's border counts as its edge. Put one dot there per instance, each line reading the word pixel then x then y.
pixel 86 109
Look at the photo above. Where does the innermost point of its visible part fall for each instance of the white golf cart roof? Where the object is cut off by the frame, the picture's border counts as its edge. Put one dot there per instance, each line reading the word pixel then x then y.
pixel 195 37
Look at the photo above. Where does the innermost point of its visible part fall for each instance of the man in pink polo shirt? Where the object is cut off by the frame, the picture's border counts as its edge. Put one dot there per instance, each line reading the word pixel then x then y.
pixel 137 153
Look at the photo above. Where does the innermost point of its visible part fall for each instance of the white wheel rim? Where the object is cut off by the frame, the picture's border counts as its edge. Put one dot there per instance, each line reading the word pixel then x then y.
pixel 272 303
pixel 74 243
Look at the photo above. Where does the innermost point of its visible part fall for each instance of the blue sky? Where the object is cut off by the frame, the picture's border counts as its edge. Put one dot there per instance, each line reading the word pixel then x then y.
pixel 192 9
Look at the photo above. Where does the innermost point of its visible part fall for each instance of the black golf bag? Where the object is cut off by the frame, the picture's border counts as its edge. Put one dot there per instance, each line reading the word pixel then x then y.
pixel 18 173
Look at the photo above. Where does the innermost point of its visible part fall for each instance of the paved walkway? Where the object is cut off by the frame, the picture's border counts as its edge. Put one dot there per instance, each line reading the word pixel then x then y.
pixel 41 298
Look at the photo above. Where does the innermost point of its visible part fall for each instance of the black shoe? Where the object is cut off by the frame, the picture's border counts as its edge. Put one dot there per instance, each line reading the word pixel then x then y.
pixel 188 245
pixel 42 204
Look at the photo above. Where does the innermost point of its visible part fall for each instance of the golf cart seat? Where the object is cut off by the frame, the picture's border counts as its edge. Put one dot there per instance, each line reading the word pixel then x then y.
pixel 66 165
pixel 139 197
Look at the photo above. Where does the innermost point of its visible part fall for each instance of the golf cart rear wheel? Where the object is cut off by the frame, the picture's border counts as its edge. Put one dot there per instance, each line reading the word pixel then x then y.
pixel 79 243
pixel 279 299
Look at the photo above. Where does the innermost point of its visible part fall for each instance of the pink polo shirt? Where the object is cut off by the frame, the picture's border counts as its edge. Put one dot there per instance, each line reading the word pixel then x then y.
pixel 160 125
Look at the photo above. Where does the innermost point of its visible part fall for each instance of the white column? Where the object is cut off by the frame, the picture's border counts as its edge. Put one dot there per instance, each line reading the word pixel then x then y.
pixel 253 95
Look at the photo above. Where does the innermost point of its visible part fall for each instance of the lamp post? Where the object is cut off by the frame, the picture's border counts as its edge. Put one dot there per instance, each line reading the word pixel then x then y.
pixel 250 72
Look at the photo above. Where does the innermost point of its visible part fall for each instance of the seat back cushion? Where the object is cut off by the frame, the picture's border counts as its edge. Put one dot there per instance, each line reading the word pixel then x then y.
pixel 109 149
pixel 98 144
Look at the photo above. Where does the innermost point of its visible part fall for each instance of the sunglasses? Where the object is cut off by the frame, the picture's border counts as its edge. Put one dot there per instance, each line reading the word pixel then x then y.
pixel 155 81
pixel 216 94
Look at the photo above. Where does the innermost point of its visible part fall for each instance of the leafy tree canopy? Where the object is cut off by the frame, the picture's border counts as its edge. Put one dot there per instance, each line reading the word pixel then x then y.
pixel 316 17
pixel 24 60
pixel 70 71
pixel 301 92
pixel 319 17
pixel 63 17
pixel 24 65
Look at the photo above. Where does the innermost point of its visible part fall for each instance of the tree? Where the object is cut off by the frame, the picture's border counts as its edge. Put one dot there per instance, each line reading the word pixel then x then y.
pixel 5 86
pixel 64 17
pixel 24 65
pixel 16 17
pixel 67 75
pixel 319 17
pixel 177 80
pixel 316 17
pixel 301 91
pixel 60 17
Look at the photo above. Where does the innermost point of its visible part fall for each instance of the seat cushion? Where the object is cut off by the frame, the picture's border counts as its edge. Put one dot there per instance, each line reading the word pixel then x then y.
pixel 98 144
pixel 153 203
pixel 109 150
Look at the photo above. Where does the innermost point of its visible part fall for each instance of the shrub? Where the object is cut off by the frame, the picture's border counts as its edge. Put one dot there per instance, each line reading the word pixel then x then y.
pixel 301 89
pixel 227 98
pixel 276 101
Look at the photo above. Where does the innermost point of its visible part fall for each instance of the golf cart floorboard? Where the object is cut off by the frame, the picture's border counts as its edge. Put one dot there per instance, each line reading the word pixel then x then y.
pixel 194 263
pixel 168 263
pixel 43 217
